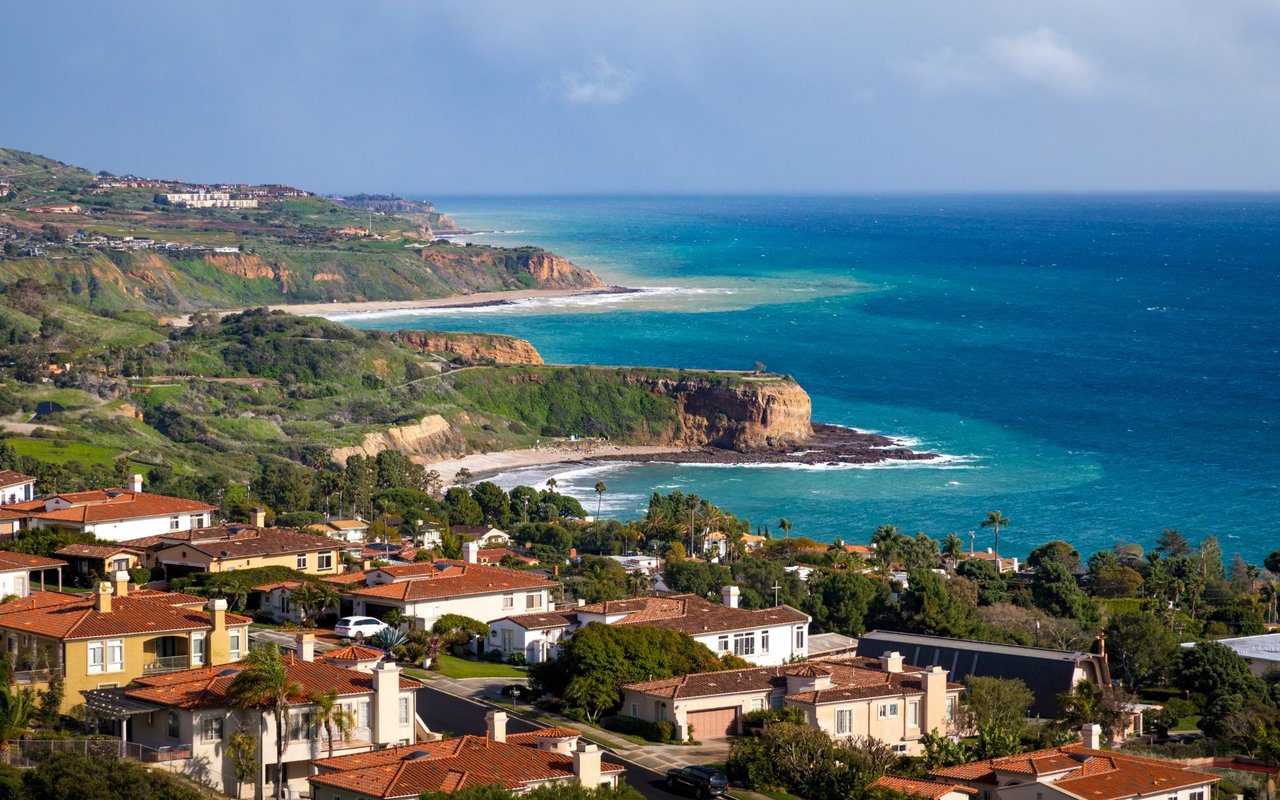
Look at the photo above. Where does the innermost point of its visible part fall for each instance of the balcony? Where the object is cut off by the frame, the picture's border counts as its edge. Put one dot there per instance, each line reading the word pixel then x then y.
pixel 159 664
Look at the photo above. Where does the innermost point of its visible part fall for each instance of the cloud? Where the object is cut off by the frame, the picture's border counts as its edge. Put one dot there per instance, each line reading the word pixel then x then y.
pixel 598 82
pixel 1035 58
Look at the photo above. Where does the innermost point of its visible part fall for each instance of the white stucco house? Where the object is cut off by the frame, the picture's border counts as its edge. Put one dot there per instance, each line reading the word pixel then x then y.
pixel 16 569
pixel 16 487
pixel 116 514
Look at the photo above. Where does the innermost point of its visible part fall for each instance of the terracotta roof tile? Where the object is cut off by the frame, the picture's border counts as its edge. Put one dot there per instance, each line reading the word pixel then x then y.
pixel 10 478
pixel 691 614
pixel 354 652
pixel 10 561
pixel 64 616
pixel 432 579
pixel 242 542
pixel 544 621
pixel 918 788
pixel 108 505
pixel 93 550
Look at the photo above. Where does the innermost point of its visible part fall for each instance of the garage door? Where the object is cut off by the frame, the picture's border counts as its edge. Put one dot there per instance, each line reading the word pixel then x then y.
pixel 715 723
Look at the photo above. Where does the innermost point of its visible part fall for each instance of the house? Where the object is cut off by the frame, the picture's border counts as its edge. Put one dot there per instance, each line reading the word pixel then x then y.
pixel 427 590
pixel 1002 564
pixel 517 762
pixel 483 535
pixel 89 563
pixel 1080 771
pixel 1261 651
pixel 495 555
pixel 231 547
pixel 344 530
pixel 16 487
pixel 716 543
pixel 275 599
pixel 927 790
pixel 187 715
pixel 115 514
pixel 16 569
pixel 115 635
pixel 885 699
pixel 764 636
pixel 1048 673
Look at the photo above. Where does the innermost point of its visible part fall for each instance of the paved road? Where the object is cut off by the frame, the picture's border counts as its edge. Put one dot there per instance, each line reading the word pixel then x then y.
pixel 449 714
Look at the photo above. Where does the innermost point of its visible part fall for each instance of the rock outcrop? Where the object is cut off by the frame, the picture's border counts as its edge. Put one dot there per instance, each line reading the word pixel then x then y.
pixel 433 436
pixel 470 348
pixel 740 413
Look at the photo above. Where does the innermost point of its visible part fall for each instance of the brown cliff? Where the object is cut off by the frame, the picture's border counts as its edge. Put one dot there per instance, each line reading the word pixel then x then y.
pixel 740 413
pixel 470 348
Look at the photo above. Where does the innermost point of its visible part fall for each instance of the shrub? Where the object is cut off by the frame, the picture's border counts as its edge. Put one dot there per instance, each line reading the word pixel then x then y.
pixel 517 660
pixel 666 730
pixel 635 726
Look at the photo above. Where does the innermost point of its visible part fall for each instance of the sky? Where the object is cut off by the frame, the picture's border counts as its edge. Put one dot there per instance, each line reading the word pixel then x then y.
pixel 478 97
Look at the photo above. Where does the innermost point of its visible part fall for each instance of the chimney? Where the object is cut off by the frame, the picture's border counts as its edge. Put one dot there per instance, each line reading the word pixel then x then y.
pixel 730 595
pixel 586 764
pixel 891 662
pixel 135 482
pixel 497 722
pixel 934 683
pixel 471 552
pixel 1091 736
pixel 120 583
pixel 218 615
pixel 304 646
pixel 102 598
pixel 386 698
pixel 258 518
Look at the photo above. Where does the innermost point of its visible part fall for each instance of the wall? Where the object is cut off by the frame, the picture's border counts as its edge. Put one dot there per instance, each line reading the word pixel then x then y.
pixel 132 528
pixel 536 645
pixel 781 645
pixel 16 582
pixel 484 607
pixel 187 556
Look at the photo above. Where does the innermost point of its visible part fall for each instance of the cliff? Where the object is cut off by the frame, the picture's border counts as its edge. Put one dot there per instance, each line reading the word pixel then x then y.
pixel 521 267
pixel 469 348
pixel 432 437
pixel 746 414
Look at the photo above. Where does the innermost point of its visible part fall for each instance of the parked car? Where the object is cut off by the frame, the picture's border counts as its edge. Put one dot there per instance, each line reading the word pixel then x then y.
pixel 358 627
pixel 702 782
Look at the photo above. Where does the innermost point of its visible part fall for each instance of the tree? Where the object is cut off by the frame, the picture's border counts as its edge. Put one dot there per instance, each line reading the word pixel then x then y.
pixel 462 507
pixel 263 683
pixel 786 526
pixel 1054 589
pixel 15 709
pixel 462 477
pixel 242 749
pixel 330 714
pixel 50 712
pixel 952 549
pixel 996 703
pixel 312 598
pixel 1220 677
pixel 1172 544
pixel 1140 647
pixel 838 601
pixel 808 762
pixel 591 694
pixel 929 607
pixel 552 483
pixel 1088 704
pixel 495 505
pixel 601 488
pixel 456 629
pixel 996 520
pixel 1057 551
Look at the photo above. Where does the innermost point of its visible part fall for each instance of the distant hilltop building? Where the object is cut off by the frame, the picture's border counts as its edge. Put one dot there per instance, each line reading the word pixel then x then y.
pixel 209 200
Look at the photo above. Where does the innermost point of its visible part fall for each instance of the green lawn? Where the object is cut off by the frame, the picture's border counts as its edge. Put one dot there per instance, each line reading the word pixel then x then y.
pixel 60 452
pixel 453 667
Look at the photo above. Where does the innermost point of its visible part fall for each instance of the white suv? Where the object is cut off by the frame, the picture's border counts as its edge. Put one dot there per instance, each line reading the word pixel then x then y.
pixel 358 627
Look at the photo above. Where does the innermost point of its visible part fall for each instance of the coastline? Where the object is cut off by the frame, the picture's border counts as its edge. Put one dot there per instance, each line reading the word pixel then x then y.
pixel 482 465
pixel 477 300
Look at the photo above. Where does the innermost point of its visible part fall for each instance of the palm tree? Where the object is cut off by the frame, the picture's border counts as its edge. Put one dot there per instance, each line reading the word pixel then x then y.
pixel 395 618
pixel 786 526
pixel 15 708
pixel 551 484
pixel 601 487
pixel 996 520
pixel 330 713
pixel 313 598
pixel 952 549
pixel 263 683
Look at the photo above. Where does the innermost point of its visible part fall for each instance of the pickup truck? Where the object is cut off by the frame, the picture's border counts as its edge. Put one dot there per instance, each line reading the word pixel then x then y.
pixel 701 782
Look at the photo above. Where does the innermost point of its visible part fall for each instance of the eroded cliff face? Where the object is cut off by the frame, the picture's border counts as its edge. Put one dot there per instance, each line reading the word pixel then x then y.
pixel 470 348
pixel 746 414
pixel 432 437
pixel 250 267
pixel 552 271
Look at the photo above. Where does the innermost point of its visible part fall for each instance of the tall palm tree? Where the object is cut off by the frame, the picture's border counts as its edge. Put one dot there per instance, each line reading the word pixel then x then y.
pixel 263 683
pixel 996 520
pixel 15 709
pixel 601 487
pixel 786 526
pixel 330 714
pixel 952 549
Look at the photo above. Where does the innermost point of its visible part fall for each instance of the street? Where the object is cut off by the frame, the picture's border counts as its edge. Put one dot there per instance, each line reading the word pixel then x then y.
pixel 453 716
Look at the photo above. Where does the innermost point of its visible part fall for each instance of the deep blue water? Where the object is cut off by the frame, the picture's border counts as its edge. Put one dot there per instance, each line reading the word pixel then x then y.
pixel 1104 366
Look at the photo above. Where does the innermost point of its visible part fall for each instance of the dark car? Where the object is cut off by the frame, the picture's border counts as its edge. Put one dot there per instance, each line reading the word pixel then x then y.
pixel 698 781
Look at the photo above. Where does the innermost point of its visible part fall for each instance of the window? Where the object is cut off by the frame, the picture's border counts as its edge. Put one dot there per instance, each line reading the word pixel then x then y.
pixel 533 600
pixel 115 655
pixel 635 710
pixel 362 714
pixel 508 601
pixel 662 711
pixel 913 713
pixel 97 656
pixel 324 561
pixel 888 710
pixel 757 704
pixel 235 646
pixel 197 521
pixel 20 585
pixel 175 523
pixel 764 641
pixel 899 748
pixel 172 724
pixel 744 644
pixel 844 721
pixel 211 730
pixel 302 560
pixel 120 565
pixel 722 644
pixel 404 711
pixel 799 637
pixel 951 708
pixel 197 648
pixel 1196 796
pixel 301 726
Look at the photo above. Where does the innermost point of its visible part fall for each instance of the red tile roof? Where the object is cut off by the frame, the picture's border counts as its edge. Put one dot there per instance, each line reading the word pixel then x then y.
pixel 233 541
pixel 1095 774
pixel 206 687
pixel 10 478
pixel 354 652
pixel 93 550
pixel 66 616
pixel 446 765
pixel 10 561
pixel 544 621
pixel 109 505
pixel 691 614
pixel 912 787
pixel 432 579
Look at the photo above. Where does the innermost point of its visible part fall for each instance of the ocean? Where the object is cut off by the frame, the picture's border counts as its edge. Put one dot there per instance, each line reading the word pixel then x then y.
pixel 1099 368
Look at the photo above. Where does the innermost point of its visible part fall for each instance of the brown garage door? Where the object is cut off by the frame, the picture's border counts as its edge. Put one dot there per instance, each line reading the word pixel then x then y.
pixel 715 723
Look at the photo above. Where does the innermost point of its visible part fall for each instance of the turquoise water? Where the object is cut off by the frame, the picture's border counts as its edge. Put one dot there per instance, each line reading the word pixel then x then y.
pixel 1099 368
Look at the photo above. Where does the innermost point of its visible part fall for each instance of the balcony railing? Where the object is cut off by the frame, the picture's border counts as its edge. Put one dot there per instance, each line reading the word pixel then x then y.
pixel 32 676
pixel 160 664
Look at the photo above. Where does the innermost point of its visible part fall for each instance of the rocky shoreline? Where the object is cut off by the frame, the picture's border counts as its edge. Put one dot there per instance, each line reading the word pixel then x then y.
pixel 831 445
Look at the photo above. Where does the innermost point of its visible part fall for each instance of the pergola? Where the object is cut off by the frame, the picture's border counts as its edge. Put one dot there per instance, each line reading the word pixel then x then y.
pixel 114 704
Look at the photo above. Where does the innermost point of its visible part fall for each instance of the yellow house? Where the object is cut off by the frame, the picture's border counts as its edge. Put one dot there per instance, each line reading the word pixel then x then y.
pixel 230 547
pixel 114 635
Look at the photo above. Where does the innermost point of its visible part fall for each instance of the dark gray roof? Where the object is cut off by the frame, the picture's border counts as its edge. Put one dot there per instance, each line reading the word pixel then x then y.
pixel 1048 673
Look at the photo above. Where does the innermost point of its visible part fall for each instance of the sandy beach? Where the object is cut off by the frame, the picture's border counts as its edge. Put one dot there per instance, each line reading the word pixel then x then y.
pixel 486 464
